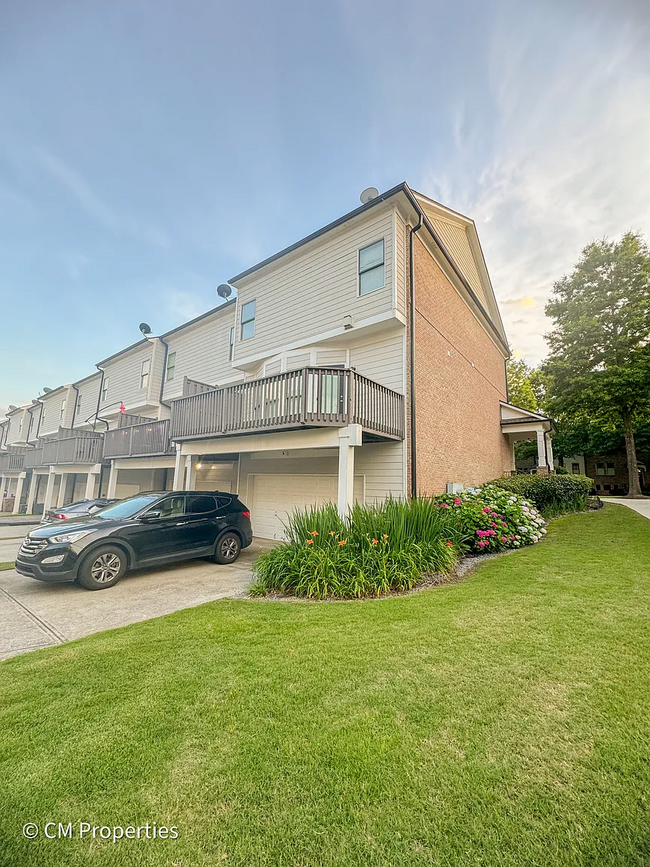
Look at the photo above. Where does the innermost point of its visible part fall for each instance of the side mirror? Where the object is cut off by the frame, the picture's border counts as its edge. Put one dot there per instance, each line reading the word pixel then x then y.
pixel 151 515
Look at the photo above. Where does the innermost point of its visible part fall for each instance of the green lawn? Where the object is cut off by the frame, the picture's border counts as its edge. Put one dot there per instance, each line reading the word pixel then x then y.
pixel 5 566
pixel 504 720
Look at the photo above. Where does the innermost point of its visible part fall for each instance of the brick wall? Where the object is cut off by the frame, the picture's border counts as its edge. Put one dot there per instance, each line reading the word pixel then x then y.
pixel 615 484
pixel 458 429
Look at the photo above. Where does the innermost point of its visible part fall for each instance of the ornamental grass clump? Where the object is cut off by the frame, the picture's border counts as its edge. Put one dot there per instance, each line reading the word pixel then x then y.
pixel 374 551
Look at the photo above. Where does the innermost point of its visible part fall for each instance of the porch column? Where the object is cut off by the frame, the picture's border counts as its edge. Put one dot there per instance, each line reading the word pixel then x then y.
pixel 549 452
pixel 31 497
pixel 2 490
pixel 49 490
pixel 91 480
pixel 190 473
pixel 541 452
pixel 178 469
pixel 112 482
pixel 349 438
pixel 19 492
pixel 60 500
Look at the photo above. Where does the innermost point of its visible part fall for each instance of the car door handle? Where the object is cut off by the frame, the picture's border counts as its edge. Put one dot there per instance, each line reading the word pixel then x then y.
pixel 181 523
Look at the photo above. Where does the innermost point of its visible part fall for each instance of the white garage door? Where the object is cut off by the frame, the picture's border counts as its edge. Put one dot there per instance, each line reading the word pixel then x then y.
pixel 276 496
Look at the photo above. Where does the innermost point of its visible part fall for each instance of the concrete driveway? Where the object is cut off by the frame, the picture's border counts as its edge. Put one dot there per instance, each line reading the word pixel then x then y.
pixel 640 506
pixel 34 614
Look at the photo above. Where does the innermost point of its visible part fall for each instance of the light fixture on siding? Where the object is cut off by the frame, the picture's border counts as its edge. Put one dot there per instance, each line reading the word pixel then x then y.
pixel 199 465
pixel 348 322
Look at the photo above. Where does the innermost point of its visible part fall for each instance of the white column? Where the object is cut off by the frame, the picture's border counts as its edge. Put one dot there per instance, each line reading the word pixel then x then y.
pixel 190 473
pixel 541 450
pixel 2 490
pixel 31 497
pixel 549 452
pixel 178 470
pixel 349 438
pixel 60 500
pixel 19 492
pixel 91 481
pixel 112 482
pixel 49 490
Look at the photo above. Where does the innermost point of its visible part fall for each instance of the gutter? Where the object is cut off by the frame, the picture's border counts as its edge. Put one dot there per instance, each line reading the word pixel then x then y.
pixel 99 399
pixel 414 462
pixel 164 372
pixel 76 401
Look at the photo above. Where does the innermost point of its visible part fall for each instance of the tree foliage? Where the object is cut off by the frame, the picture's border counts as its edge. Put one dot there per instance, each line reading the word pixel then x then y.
pixel 520 385
pixel 598 371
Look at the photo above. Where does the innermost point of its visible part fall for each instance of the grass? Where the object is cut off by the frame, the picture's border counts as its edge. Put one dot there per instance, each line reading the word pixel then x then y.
pixel 501 721
pixel 5 566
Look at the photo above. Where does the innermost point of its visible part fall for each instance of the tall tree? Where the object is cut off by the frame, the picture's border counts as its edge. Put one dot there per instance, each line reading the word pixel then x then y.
pixel 520 388
pixel 599 366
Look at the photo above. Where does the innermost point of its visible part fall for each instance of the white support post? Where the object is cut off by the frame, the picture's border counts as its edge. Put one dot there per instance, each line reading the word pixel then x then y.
pixel 31 496
pixel 549 452
pixel 60 500
pixel 19 492
pixel 190 473
pixel 178 470
pixel 49 490
pixel 541 450
pixel 112 482
pixel 349 438
pixel 91 481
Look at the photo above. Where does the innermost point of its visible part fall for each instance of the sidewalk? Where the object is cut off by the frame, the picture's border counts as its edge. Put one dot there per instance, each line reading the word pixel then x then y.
pixel 640 506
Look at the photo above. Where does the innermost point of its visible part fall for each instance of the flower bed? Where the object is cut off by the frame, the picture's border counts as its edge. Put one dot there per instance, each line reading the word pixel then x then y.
pixel 391 547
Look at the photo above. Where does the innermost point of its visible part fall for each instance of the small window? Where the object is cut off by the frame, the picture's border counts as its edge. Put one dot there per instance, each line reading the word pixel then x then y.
pixel 575 469
pixel 62 409
pixel 600 469
pixel 78 409
pixel 43 414
pixel 371 268
pixel 231 347
pixel 20 425
pixel 248 320
pixel 144 373
pixel 201 505
pixel 171 366
pixel 105 389
pixel 611 470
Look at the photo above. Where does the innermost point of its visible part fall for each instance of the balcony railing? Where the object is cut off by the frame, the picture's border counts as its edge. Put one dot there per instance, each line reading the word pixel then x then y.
pixel 73 450
pixel 151 438
pixel 311 397
pixel 12 462
pixel 34 458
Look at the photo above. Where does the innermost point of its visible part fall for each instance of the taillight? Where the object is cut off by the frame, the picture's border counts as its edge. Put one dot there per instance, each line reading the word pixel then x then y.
pixel 63 517
pixel 246 514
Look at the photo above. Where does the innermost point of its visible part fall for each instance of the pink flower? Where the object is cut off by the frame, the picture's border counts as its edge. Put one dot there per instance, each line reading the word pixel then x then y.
pixel 444 505
pixel 490 532
pixel 493 524
pixel 482 544
pixel 449 544
pixel 457 502
pixel 504 539
pixel 512 538
pixel 486 510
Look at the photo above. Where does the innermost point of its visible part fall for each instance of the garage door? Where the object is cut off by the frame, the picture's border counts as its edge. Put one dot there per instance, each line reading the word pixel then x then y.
pixel 276 496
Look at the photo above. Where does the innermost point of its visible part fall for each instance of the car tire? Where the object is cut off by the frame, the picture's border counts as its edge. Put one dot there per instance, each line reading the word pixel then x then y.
pixel 103 568
pixel 227 549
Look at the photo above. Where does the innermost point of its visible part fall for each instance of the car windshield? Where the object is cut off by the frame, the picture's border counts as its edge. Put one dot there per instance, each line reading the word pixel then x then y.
pixel 127 508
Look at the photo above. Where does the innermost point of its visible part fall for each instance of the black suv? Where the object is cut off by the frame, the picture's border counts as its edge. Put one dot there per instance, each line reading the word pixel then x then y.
pixel 146 530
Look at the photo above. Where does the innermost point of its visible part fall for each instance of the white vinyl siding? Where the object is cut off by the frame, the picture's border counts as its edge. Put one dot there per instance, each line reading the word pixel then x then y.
pixel 310 291
pixel 202 352
pixel 123 375
pixel 401 277
pixel 58 411
pixel 87 400
pixel 382 360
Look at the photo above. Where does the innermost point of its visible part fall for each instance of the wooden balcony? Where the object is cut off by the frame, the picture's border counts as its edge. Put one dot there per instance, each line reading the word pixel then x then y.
pixel 80 449
pixel 149 438
pixel 12 462
pixel 311 397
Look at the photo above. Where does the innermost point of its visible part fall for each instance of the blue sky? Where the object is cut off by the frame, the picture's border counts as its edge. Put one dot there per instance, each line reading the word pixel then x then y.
pixel 151 149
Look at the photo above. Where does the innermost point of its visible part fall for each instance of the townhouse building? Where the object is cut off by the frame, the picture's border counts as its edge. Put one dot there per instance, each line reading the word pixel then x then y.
pixel 367 360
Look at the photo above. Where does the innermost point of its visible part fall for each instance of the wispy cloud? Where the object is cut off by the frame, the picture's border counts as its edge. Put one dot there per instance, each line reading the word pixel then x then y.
pixel 570 162
pixel 183 305
pixel 115 220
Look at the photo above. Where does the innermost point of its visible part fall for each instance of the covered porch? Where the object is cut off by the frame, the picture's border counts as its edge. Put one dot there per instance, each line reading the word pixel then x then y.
pixel 520 424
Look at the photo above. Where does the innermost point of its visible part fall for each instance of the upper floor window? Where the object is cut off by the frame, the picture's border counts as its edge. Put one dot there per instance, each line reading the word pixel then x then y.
pixel 78 409
pixel 104 389
pixel 248 320
pixel 144 373
pixel 62 413
pixel 371 268
pixel 171 366
pixel 231 347
pixel 605 469
pixel 20 425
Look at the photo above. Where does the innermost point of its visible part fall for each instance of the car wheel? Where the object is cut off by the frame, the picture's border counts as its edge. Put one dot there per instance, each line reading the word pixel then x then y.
pixel 228 548
pixel 103 568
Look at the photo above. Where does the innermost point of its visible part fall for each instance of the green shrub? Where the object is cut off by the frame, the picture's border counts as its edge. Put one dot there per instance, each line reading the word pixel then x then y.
pixel 377 549
pixel 552 494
